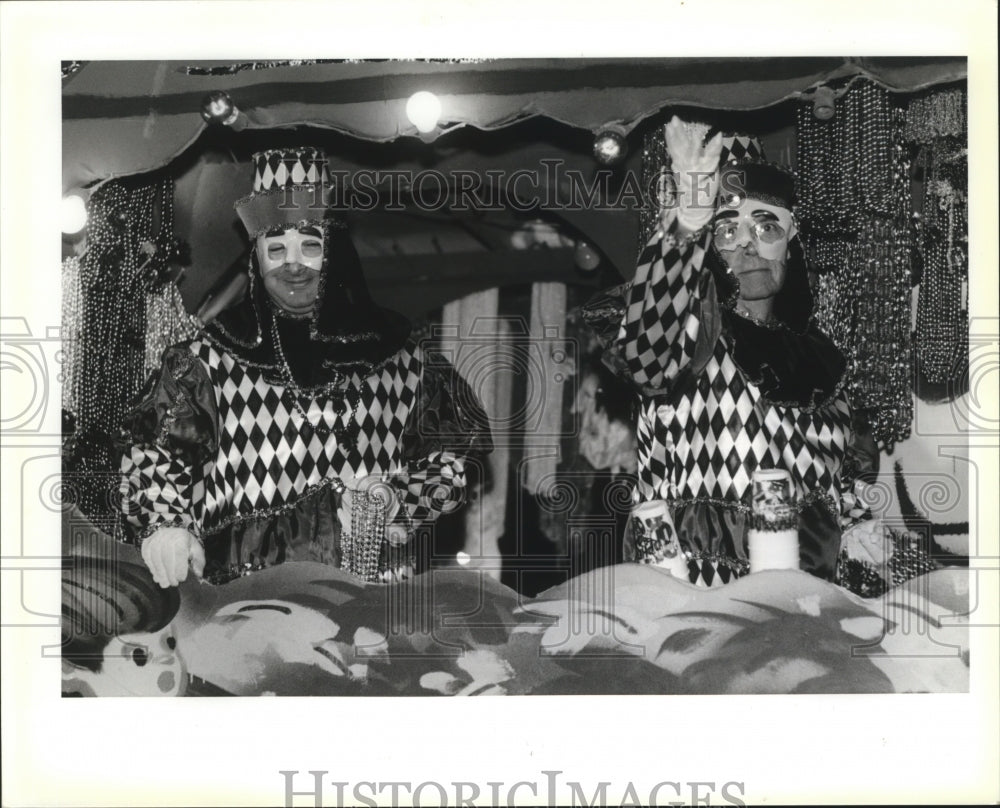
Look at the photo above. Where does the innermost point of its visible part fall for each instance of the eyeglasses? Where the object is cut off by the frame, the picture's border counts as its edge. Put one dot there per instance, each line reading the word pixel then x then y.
pixel 727 232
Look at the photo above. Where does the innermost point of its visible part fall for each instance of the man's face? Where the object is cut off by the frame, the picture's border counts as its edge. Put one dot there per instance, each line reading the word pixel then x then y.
pixel 752 238
pixel 290 265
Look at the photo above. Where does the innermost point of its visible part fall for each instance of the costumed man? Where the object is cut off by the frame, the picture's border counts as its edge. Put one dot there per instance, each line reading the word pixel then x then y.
pixel 305 423
pixel 716 332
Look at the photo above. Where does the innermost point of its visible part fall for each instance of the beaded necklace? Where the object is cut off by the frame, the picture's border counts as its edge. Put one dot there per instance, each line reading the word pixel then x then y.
pixel 936 123
pixel 855 211
pixel 770 322
pixel 106 326
pixel 344 400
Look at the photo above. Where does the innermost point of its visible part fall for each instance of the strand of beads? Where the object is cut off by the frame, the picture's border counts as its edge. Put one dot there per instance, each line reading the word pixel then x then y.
pixel 860 237
pixel 167 321
pixel 936 114
pixel 110 351
pixel 937 122
pixel 655 167
pixel 363 548
pixel 72 324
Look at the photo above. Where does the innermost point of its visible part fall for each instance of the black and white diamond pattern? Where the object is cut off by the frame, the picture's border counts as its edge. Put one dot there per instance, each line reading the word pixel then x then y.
pixel 269 454
pixel 662 322
pixel 739 147
pixel 710 442
pixel 707 442
pixel 278 168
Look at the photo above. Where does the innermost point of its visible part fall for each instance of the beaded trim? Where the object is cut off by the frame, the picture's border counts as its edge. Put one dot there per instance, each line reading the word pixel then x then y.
pixel 814 497
pixel 176 521
pixel 309 186
pixel 771 324
pixel 361 549
pixel 759 521
pixel 276 510
pixel 347 339
pixel 336 224
pixel 737 565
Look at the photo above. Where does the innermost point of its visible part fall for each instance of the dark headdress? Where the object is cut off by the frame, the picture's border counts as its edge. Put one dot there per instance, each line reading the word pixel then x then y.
pixel 793 363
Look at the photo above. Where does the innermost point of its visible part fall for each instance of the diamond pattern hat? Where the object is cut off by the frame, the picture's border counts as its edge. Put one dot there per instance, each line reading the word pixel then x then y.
pixel 291 187
pixel 743 165
pixel 739 148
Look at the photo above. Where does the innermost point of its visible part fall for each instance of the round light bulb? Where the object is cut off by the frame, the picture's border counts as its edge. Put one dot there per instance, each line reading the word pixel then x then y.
pixel 586 257
pixel 424 111
pixel 463 558
pixel 73 214
pixel 610 147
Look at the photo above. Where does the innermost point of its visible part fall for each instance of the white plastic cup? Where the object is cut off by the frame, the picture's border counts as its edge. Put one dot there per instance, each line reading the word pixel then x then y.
pixel 774 538
pixel 652 520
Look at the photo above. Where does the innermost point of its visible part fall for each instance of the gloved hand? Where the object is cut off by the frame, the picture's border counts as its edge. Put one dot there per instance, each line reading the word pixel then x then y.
pixel 169 552
pixel 695 166
pixel 867 541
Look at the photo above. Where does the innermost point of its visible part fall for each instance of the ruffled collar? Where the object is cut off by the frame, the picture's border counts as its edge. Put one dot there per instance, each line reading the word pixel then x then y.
pixel 803 369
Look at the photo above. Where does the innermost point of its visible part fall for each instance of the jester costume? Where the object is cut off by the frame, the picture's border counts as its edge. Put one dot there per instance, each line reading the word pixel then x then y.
pixel 722 396
pixel 251 432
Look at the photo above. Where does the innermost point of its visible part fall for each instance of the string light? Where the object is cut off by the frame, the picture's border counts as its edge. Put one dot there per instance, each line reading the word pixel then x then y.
pixel 824 105
pixel 423 109
pixel 610 146
pixel 586 257
pixel 73 214
pixel 218 108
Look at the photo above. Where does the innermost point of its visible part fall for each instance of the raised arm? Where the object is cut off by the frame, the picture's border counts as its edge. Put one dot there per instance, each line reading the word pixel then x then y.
pixel 665 318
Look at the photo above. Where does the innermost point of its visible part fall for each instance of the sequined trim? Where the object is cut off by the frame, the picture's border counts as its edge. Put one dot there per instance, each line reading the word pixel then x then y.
pixel 341 339
pixel 737 565
pixel 814 497
pixel 275 510
pixel 759 521
pixel 176 521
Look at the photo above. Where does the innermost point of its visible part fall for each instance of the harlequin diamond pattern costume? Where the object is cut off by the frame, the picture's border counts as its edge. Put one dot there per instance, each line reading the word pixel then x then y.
pixel 252 431
pixel 723 396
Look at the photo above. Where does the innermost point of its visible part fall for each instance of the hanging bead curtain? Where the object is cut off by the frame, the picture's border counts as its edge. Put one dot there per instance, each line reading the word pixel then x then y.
pixel 129 244
pixel 936 124
pixel 855 214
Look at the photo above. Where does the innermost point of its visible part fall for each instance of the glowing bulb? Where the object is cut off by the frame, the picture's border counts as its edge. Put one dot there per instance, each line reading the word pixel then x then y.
pixel 73 214
pixel 610 147
pixel 586 257
pixel 463 558
pixel 424 111
pixel 824 103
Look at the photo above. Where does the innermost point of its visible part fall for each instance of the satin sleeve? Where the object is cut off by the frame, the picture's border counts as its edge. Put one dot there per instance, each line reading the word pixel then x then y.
pixel 666 322
pixel 447 426
pixel 171 436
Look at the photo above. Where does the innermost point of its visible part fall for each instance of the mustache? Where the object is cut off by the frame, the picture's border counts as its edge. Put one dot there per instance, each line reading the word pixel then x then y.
pixel 294 269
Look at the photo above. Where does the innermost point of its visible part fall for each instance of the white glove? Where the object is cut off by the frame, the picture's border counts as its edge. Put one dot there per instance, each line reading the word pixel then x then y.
pixel 695 167
pixel 169 552
pixel 867 541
